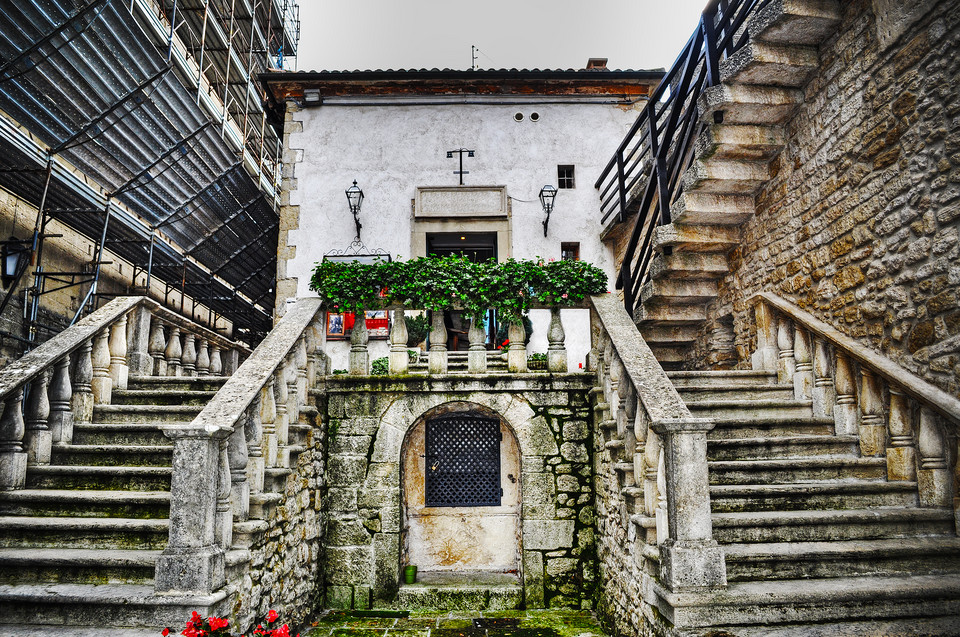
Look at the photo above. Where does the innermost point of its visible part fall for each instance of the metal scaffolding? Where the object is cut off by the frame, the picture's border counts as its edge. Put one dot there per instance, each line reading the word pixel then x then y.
pixel 138 124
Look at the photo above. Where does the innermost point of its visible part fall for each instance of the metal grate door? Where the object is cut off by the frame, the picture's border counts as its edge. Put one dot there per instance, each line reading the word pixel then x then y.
pixel 463 461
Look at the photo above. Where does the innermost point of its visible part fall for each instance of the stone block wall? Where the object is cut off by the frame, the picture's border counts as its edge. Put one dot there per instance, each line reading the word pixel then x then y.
pixel 367 421
pixel 859 224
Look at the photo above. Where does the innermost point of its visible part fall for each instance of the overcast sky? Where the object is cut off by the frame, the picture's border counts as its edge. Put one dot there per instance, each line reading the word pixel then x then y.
pixel 545 34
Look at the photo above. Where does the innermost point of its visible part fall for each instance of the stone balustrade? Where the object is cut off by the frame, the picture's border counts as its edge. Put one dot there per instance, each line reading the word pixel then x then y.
pixel 892 412
pixel 57 384
pixel 660 451
pixel 221 458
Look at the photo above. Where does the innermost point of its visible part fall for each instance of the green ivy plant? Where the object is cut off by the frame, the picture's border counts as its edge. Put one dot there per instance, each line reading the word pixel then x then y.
pixel 455 282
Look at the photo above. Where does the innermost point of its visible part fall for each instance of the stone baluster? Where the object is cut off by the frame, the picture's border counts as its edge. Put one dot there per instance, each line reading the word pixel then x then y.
pixel 873 430
pixel 845 409
pixel 61 393
pixel 641 424
pixel 300 360
pixel 690 558
pixel 281 422
pixel 293 394
pixel 605 369
pixel 766 355
pixel 156 347
pixel 188 360
pixel 477 354
pixel 933 475
pixel 203 358
pixel 193 561
pixel 660 513
pixel 313 358
pixel 651 461
pixel 102 383
pixel 517 354
pixel 224 519
pixel 823 394
pixel 359 356
pixel 901 454
pixel 626 414
pixel 82 400
pixel 253 429
pixel 174 352
pixel 399 359
pixel 139 359
pixel 615 374
pixel 231 360
pixel 803 378
pixel 786 365
pixel 556 350
pixel 216 362
pixel 237 451
pixel 437 358
pixel 38 439
pixel 13 458
pixel 117 344
pixel 268 419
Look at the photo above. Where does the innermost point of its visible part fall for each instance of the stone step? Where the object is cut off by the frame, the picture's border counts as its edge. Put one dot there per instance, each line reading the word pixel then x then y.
pixel 721 391
pixel 725 176
pixel 762 408
pixel 706 208
pixel 669 334
pixel 887 557
pixel 669 314
pixel 62 565
pixel 683 238
pixel 669 353
pixel 796 470
pixel 161 396
pixel 770 64
pixel 808 496
pixel 99 477
pixel 176 383
pixel 145 413
pixel 461 591
pixel 119 434
pixel 743 378
pixel 742 142
pixel 829 526
pixel 737 427
pixel 85 503
pixel 113 455
pixel 679 291
pixel 689 265
pixel 761 448
pixel 76 532
pixel 802 22
pixel 299 433
pixel 749 104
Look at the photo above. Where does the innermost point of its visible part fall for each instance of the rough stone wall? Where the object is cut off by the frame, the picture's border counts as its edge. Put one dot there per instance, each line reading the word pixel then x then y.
pixel 287 558
pixel 859 224
pixel 366 422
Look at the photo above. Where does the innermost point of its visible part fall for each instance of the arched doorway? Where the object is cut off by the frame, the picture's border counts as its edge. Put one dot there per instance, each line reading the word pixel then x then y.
pixel 461 492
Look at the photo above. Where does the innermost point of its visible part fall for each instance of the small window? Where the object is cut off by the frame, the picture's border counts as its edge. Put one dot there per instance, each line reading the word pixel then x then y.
pixel 570 251
pixel 565 176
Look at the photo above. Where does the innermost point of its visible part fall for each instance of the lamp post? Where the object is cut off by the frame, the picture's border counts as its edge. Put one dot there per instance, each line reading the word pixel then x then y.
pixel 547 194
pixel 11 255
pixel 355 199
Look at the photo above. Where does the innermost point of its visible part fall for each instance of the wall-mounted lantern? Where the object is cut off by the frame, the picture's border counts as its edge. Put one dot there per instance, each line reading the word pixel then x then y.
pixel 547 194
pixel 355 199
pixel 13 254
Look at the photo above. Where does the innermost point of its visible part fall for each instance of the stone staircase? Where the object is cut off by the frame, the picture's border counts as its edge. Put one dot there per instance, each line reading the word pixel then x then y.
pixel 78 545
pixel 761 86
pixel 457 363
pixel 812 531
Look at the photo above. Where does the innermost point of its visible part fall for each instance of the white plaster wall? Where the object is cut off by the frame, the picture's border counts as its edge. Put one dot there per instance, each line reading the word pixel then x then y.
pixel 391 150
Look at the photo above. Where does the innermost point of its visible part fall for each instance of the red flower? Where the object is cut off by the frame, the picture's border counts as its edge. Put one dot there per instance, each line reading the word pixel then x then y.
pixel 216 623
pixel 166 631
pixel 272 616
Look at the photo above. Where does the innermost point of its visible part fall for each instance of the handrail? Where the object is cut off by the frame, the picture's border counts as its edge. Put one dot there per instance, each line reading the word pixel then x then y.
pixel 921 390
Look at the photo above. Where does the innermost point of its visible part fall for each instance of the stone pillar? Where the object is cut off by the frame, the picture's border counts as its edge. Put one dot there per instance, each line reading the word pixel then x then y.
pixel 933 476
pixel 268 417
pixel 477 355
pixel 13 458
pixel 173 352
pixel 399 359
pixel 231 361
pixel 239 485
pixel 765 357
pixel 786 364
pixel 216 363
pixel 873 431
pixel 193 561
pixel 156 347
pixel 517 355
pixel 82 401
pixel 102 383
pixel 359 357
pixel 61 392
pixel 188 360
pixel 437 359
pixel 556 350
pixel 803 378
pixel 690 558
pixel 823 394
pixel 901 454
pixel 139 357
pixel 117 344
pixel 203 359
pixel 845 410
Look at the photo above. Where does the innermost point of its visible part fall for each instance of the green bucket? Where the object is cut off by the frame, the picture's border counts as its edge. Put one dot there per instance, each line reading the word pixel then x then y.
pixel 409 574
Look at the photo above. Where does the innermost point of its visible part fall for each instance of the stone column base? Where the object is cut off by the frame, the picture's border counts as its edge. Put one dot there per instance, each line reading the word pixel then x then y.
pixel 190 570
pixel 13 470
pixel 692 566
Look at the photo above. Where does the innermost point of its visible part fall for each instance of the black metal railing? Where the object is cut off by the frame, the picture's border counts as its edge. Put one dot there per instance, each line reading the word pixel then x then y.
pixel 643 176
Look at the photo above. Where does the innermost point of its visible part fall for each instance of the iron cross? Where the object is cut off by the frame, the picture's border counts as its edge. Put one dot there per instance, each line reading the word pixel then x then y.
pixel 460 151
